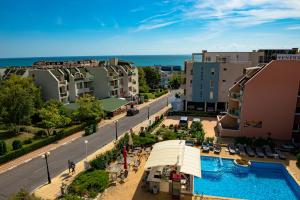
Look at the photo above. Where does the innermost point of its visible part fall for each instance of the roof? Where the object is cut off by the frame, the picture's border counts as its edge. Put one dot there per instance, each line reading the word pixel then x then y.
pixel 175 152
pixel 109 104
pixel 112 104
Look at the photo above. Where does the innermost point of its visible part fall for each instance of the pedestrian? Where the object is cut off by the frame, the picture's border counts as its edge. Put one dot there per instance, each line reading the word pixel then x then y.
pixel 73 167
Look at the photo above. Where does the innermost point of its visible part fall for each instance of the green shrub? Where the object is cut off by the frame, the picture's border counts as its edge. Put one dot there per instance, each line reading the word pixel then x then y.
pixel 199 135
pixel 102 160
pixel 24 195
pixel 41 133
pixel 28 141
pixel 148 95
pixel 89 183
pixel 147 140
pixel 193 113
pixel 17 144
pixel 70 197
pixel 3 148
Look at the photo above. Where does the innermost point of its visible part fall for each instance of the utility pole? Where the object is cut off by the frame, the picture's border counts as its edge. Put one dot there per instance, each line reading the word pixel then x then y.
pixel 148 112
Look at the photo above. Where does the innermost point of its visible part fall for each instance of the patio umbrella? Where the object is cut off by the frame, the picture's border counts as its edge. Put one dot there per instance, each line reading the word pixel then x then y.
pixel 125 156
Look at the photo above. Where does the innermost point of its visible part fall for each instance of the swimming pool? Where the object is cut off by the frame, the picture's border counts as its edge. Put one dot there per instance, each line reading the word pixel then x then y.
pixel 221 177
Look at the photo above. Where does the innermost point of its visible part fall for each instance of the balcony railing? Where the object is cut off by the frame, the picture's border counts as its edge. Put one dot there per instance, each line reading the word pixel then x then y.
pixel 235 112
pixel 64 82
pixel 63 94
pixel 235 95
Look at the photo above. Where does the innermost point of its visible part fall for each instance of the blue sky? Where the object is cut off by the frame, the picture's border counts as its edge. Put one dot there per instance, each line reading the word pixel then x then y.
pixel 105 27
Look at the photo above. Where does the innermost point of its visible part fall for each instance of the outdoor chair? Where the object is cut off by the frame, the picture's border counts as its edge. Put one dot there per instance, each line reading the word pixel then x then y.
pixel 231 149
pixel 250 151
pixel 259 152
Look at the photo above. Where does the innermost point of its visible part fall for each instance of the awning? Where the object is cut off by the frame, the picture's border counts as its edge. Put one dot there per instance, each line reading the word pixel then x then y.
pixel 175 152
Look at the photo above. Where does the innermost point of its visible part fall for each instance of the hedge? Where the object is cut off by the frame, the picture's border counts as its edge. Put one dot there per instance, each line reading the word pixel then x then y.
pixel 89 183
pixel 158 94
pixel 38 144
pixel 3 148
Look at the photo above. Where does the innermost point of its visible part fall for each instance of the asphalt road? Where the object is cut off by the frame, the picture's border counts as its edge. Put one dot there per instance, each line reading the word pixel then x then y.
pixel 32 174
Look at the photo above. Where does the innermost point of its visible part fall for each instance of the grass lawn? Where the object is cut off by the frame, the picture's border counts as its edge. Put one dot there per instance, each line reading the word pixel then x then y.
pixel 21 136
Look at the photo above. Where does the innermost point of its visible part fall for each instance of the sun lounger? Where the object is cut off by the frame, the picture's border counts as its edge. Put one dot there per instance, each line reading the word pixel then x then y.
pixel 268 151
pixel 249 151
pixel 205 147
pixel 259 152
pixel 217 148
pixel 280 154
pixel 231 149
pixel 241 149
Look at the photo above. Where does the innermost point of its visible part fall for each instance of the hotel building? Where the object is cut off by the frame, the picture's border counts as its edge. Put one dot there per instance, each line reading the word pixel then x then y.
pixel 265 102
pixel 207 81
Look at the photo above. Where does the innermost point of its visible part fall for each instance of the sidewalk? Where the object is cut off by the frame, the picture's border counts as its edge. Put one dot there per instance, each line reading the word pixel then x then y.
pixel 51 191
pixel 28 157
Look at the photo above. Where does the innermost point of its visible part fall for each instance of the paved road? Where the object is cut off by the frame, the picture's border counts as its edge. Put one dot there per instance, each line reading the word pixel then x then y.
pixel 32 174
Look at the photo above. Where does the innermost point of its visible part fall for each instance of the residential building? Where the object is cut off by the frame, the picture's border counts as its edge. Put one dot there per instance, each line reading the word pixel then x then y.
pixel 66 81
pixel 271 54
pixel 207 80
pixel 265 102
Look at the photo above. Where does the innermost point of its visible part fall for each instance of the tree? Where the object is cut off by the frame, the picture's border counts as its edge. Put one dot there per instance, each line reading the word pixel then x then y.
pixel 90 109
pixel 175 81
pixel 24 195
pixel 152 77
pixel 52 116
pixel 19 98
pixel 143 87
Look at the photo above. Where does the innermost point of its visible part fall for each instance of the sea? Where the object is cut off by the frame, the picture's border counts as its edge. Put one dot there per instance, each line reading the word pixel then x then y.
pixel 138 60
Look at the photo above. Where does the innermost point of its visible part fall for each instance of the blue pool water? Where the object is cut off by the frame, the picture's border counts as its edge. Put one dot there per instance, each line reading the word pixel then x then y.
pixel 221 177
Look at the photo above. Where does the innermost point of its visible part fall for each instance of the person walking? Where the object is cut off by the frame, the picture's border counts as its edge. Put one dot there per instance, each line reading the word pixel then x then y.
pixel 73 167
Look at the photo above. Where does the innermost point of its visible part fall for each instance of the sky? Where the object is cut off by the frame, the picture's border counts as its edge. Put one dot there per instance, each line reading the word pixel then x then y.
pixel 32 28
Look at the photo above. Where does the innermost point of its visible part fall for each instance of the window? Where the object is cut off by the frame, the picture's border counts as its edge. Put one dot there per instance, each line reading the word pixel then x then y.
pixel 253 124
pixel 211 83
pixel 191 72
pixel 191 81
pixel 225 69
pixel 211 95
pixel 224 81
pixel 208 59
pixel 184 91
pixel 212 71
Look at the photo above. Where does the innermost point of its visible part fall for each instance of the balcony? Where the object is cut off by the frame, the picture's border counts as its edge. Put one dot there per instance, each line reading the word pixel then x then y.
pixel 63 82
pixel 63 94
pixel 234 112
pixel 235 96
pixel 134 81
pixel 112 78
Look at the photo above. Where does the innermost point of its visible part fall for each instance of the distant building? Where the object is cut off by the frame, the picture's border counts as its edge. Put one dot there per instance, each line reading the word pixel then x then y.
pixel 66 81
pixel 265 102
pixel 271 54
pixel 207 80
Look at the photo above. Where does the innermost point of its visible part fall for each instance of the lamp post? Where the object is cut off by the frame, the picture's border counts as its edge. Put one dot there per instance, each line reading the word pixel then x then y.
pixel 86 142
pixel 116 123
pixel 148 112
pixel 167 101
pixel 45 156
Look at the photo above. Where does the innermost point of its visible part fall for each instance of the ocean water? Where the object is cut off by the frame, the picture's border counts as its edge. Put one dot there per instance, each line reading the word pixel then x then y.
pixel 138 60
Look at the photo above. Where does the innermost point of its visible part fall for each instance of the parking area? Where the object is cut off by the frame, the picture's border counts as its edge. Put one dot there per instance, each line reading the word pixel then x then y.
pixel 209 123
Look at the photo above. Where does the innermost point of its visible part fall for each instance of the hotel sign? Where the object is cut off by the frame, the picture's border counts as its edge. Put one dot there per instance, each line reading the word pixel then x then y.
pixel 288 56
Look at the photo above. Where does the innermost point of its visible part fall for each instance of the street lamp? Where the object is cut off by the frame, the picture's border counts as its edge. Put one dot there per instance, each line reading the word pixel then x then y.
pixel 148 112
pixel 167 100
pixel 116 123
pixel 86 142
pixel 45 156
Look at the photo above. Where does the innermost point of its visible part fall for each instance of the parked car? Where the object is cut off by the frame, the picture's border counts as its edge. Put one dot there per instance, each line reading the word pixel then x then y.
pixel 132 111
